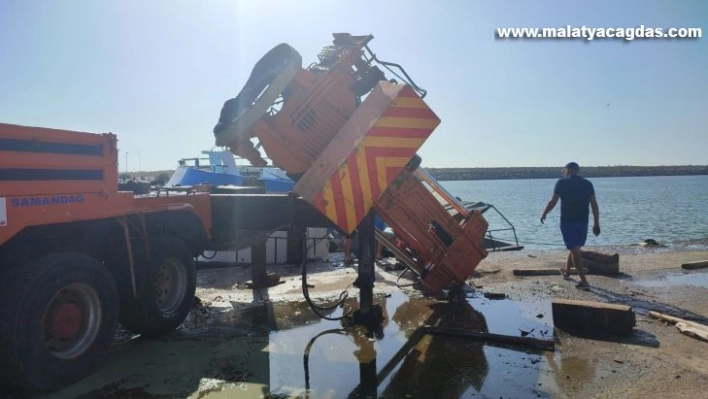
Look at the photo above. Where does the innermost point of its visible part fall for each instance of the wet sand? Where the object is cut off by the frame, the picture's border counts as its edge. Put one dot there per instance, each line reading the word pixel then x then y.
pixel 239 342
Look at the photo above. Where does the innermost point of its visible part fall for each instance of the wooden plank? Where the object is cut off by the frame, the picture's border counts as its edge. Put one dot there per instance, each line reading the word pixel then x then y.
pixel 592 318
pixel 546 344
pixel 543 272
pixel 665 317
pixel 593 263
pixel 495 295
pixel 599 263
pixel 592 304
pixel 695 265
pixel 691 331
pixel 675 320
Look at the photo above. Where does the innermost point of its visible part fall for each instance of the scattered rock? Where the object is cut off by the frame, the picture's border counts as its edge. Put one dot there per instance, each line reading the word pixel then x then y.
pixel 525 333
pixel 649 242
pixel 495 295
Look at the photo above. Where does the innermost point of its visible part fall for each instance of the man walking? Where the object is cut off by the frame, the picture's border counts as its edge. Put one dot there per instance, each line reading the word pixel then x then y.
pixel 577 195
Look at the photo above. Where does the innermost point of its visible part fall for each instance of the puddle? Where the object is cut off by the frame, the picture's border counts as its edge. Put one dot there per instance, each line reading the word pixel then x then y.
pixel 516 318
pixel 283 350
pixel 698 279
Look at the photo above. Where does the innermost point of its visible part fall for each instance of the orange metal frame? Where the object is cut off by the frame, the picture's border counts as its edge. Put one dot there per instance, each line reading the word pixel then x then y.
pixel 318 107
pixel 414 211
pixel 50 176
pixel 349 158
pixel 367 153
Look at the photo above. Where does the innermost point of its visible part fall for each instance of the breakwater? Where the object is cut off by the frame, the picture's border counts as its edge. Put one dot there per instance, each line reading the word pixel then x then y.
pixel 443 174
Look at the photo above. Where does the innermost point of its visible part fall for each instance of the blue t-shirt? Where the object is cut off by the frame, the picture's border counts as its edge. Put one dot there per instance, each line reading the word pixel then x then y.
pixel 574 192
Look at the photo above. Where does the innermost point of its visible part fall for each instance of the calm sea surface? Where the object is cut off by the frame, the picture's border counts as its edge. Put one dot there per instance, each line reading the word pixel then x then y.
pixel 667 209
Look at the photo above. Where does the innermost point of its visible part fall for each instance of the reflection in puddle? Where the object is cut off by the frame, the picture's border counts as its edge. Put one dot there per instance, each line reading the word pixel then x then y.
pixel 281 350
pixel 517 318
pixel 697 279
pixel 571 373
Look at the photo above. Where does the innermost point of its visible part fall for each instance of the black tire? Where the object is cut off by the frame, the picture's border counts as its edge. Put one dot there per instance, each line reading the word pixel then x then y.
pixel 268 80
pixel 168 290
pixel 58 315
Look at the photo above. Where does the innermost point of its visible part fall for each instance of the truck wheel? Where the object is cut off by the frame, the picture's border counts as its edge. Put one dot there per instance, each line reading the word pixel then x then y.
pixel 167 293
pixel 58 315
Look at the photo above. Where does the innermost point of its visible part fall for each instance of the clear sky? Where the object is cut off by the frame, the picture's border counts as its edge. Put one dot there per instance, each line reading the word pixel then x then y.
pixel 157 72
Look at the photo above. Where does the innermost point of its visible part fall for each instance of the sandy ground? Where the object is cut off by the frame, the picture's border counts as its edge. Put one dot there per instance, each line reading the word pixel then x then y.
pixel 657 361
pixel 218 352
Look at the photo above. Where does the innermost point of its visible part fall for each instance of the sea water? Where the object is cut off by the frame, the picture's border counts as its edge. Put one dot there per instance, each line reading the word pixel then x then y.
pixel 668 209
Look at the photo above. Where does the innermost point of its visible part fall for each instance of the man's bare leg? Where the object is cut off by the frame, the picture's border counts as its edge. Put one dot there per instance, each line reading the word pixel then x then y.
pixel 578 263
pixel 568 264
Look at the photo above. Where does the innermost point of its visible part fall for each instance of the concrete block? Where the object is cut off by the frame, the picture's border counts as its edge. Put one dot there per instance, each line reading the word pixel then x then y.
pixel 599 263
pixel 695 265
pixel 592 318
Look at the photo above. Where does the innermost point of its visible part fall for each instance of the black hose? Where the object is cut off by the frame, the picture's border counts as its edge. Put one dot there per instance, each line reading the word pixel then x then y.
pixel 306 355
pixel 390 65
pixel 401 275
pixel 306 292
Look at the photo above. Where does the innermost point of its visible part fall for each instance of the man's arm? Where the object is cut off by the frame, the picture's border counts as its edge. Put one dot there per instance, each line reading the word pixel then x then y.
pixel 595 215
pixel 549 207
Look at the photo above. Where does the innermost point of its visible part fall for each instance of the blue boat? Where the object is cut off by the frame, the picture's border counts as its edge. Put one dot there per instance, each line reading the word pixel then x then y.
pixel 220 168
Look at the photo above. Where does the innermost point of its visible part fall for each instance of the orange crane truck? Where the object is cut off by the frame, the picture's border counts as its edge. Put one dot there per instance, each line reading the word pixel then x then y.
pixel 348 136
pixel 77 256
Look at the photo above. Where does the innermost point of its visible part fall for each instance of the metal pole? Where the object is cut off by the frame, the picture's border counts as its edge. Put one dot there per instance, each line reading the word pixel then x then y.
pixel 368 314
pixel 126 162
pixel 368 381
pixel 259 274
pixel 367 243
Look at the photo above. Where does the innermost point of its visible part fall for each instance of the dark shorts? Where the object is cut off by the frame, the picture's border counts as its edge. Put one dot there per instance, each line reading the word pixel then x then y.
pixel 574 234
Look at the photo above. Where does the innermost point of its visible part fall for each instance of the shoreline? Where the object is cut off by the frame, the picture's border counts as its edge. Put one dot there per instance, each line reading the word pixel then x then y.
pixel 680 245
pixel 512 173
pixel 631 255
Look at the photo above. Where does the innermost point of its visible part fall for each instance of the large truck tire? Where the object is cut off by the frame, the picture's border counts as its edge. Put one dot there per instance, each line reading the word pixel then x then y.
pixel 268 80
pixel 167 293
pixel 58 315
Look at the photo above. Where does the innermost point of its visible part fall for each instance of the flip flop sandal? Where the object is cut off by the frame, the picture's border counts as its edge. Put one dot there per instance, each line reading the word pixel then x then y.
pixel 564 274
pixel 581 286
